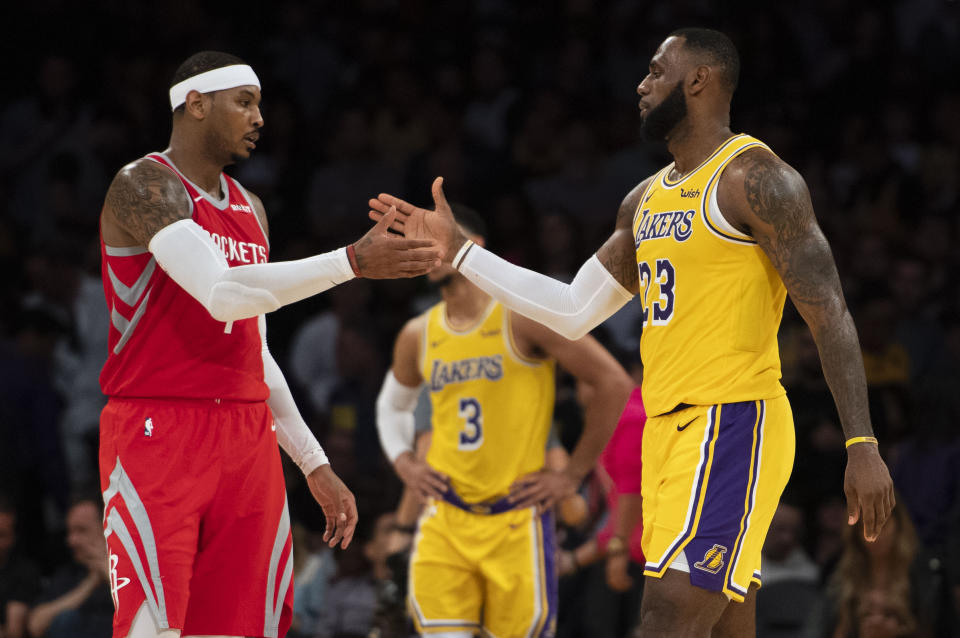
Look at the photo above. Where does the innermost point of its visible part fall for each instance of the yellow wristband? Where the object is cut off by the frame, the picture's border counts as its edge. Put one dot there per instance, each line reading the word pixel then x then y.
pixel 862 439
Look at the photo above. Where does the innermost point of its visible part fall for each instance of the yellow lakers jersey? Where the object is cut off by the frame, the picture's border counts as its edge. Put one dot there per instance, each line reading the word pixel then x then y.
pixel 712 301
pixel 492 408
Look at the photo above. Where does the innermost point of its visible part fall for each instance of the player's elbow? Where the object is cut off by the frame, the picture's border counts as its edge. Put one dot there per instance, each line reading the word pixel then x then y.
pixel 574 328
pixel 231 301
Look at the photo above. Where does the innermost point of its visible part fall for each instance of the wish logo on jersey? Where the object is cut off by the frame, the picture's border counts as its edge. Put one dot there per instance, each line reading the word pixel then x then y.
pixel 659 225
pixel 447 372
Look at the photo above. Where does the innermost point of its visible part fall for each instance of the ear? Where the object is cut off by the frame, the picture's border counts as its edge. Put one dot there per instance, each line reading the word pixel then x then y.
pixel 698 78
pixel 196 105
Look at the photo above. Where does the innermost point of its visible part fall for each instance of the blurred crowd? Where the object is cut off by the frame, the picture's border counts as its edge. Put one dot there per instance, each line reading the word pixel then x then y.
pixel 528 110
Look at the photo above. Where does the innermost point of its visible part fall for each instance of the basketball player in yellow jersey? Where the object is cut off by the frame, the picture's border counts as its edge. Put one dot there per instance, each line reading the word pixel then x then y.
pixel 712 243
pixel 483 556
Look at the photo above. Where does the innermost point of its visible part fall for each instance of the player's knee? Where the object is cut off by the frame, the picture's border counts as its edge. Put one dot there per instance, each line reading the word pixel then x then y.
pixel 671 607
pixel 145 626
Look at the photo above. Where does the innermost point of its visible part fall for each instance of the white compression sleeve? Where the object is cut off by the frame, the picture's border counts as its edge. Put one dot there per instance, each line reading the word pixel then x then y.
pixel 395 425
pixel 293 434
pixel 186 252
pixel 572 309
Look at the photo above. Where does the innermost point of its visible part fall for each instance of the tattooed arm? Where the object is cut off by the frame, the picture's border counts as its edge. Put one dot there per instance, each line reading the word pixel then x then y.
pixel 618 254
pixel 766 198
pixel 143 198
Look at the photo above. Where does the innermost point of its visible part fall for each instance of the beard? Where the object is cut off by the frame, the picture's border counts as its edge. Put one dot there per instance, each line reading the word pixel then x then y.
pixel 437 285
pixel 663 118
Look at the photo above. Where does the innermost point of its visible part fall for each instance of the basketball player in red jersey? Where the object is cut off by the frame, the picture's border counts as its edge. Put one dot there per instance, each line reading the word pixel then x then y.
pixel 196 518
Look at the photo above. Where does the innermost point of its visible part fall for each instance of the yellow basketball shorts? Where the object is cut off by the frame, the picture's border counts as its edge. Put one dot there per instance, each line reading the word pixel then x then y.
pixel 489 572
pixel 712 478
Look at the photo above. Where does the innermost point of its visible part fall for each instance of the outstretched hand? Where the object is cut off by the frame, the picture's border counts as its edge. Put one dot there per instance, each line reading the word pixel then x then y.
pixel 869 489
pixel 414 222
pixel 338 504
pixel 385 255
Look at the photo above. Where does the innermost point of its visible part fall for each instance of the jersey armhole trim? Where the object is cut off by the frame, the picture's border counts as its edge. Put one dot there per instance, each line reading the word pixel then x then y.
pixel 710 211
pixel 124 251
pixel 163 162
pixel 422 355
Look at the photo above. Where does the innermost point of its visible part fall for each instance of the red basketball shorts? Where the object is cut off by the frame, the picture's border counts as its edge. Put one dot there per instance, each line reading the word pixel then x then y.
pixel 196 517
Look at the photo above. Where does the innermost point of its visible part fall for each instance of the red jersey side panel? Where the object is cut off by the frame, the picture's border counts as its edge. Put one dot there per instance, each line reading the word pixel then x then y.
pixel 163 342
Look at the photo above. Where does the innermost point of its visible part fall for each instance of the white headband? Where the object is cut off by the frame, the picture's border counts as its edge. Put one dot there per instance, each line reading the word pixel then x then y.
pixel 226 77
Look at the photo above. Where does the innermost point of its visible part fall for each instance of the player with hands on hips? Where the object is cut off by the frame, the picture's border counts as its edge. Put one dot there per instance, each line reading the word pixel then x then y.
pixel 482 557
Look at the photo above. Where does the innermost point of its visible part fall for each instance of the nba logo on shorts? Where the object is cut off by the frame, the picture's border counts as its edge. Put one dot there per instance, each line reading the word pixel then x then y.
pixel 148 427
pixel 712 559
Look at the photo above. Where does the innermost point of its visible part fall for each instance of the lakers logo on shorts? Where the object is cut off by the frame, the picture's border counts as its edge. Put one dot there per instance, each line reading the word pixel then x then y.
pixel 712 560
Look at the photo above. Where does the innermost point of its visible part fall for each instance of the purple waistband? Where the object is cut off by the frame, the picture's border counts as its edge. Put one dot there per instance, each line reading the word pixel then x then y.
pixel 487 507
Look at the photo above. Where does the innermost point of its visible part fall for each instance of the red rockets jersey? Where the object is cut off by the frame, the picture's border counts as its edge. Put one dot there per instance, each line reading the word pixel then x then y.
pixel 163 342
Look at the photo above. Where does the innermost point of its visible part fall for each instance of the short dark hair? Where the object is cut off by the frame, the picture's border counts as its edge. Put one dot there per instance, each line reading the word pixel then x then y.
pixel 86 494
pixel 201 63
pixel 717 47
pixel 470 219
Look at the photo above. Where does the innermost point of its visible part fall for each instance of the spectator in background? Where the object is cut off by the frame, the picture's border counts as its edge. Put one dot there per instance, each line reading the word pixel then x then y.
pixel 353 171
pixel 611 609
pixel 313 351
pixel 314 566
pixel 19 577
pixel 353 594
pixel 886 588
pixel 784 558
pixel 62 280
pixel 790 577
pixel 77 601
pixel 31 468
pixel 926 464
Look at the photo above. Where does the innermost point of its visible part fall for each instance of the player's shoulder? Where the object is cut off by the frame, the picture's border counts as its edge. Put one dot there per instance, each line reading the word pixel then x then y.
pixel 759 184
pixel 759 165
pixel 407 347
pixel 633 197
pixel 415 326
pixel 147 188
pixel 632 200
pixel 144 171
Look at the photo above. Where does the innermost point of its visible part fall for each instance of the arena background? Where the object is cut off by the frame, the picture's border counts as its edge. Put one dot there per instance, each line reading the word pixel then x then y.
pixel 528 109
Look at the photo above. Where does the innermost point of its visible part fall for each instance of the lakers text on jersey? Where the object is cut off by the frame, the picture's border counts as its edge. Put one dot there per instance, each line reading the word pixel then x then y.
pixel 712 301
pixel 478 564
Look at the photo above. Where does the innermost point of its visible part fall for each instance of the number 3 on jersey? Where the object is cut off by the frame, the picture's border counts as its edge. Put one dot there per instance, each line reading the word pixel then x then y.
pixel 471 437
pixel 662 303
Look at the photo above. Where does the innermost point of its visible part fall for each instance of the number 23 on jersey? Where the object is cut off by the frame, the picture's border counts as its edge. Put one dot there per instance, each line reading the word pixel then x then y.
pixel 663 286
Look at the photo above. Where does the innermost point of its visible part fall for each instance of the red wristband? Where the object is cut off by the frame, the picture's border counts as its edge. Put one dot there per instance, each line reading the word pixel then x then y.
pixel 352 258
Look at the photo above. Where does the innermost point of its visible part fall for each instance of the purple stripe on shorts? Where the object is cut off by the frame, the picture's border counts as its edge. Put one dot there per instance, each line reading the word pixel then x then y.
pixel 754 472
pixel 714 544
pixel 547 526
